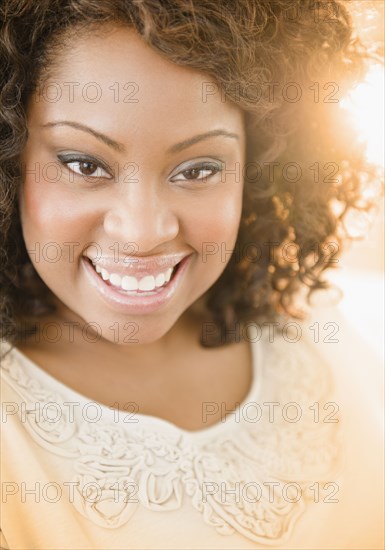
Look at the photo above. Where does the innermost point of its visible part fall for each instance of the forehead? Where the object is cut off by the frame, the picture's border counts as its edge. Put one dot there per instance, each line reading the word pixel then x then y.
pixel 119 83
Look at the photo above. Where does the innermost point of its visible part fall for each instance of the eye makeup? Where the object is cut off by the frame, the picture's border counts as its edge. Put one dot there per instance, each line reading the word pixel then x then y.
pixel 85 165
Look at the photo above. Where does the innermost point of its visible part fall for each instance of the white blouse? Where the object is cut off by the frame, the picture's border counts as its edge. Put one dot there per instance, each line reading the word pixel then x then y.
pixel 294 466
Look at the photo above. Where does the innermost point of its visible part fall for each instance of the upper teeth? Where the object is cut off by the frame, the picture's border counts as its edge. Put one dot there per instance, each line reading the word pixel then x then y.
pixel 128 282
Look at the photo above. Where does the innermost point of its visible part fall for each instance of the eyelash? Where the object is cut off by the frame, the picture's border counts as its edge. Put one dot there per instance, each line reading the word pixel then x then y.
pixel 201 166
pixel 214 168
pixel 68 159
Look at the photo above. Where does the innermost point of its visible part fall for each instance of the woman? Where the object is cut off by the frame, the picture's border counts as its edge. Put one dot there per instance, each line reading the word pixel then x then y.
pixel 174 174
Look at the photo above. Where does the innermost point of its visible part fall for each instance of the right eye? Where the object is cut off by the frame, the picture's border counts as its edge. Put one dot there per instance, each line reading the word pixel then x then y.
pixel 85 166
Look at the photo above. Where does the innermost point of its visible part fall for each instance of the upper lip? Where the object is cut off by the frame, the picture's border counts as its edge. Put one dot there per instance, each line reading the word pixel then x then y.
pixel 136 265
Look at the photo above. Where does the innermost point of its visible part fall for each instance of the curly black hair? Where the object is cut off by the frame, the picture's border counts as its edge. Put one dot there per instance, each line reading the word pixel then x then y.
pixel 286 63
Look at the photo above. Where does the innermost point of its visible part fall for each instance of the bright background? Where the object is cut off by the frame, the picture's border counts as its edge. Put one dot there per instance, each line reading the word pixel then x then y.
pixel 360 273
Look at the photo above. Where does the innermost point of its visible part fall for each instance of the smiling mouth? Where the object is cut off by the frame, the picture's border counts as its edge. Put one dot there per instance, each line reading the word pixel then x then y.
pixel 140 301
pixel 129 284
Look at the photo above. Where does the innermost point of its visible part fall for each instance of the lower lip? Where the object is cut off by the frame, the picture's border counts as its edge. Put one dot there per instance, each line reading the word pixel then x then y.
pixel 135 304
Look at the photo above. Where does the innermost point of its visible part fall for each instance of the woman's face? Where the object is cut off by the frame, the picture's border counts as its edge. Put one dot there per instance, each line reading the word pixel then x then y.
pixel 130 165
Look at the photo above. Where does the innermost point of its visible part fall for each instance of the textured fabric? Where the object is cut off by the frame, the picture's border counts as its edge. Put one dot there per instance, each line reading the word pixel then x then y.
pixel 79 475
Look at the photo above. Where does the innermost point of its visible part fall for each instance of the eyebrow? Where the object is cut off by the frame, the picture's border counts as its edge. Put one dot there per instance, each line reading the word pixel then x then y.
pixel 191 141
pixel 120 147
pixel 78 126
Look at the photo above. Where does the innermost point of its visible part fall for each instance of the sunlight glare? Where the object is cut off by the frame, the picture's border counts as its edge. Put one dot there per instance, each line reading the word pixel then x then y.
pixel 365 104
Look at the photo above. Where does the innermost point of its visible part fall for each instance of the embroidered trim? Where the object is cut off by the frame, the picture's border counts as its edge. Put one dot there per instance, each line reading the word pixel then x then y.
pixel 229 479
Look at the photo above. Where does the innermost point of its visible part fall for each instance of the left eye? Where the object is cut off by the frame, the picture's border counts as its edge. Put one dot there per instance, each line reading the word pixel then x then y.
pixel 199 172
pixel 85 167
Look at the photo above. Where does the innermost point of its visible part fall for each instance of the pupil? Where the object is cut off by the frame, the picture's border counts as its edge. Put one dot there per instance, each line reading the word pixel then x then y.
pixel 192 174
pixel 87 168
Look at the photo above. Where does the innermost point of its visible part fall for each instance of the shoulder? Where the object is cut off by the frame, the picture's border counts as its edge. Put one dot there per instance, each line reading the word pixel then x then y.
pixel 355 363
pixel 357 375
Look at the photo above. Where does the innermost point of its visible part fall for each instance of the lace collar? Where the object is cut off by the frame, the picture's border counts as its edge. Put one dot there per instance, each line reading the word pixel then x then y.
pixel 253 474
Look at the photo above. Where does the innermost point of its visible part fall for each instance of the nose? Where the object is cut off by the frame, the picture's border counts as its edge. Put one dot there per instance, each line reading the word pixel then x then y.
pixel 142 215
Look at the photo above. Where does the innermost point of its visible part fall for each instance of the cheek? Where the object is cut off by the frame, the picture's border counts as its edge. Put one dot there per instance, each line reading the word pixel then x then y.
pixel 213 228
pixel 50 218
pixel 217 218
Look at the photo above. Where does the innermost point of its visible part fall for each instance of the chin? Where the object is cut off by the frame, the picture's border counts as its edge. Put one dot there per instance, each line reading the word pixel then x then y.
pixel 134 333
